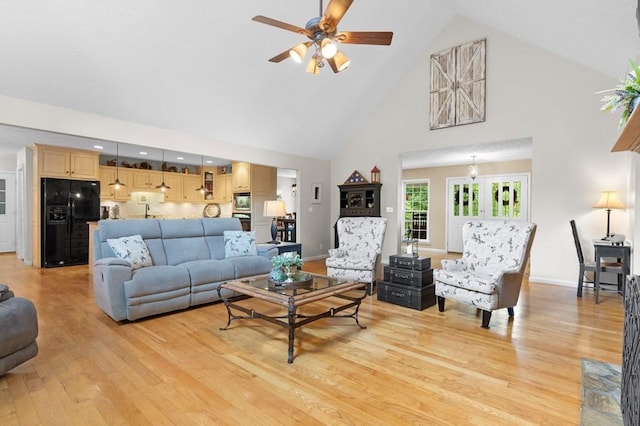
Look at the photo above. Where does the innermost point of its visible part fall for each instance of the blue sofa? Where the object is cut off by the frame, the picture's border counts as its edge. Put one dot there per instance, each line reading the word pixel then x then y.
pixel 189 264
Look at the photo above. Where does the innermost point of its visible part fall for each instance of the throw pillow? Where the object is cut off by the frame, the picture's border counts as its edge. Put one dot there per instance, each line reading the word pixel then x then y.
pixel 240 243
pixel 132 249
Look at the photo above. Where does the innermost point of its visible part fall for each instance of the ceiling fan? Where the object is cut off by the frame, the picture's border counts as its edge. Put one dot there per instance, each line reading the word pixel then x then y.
pixel 323 34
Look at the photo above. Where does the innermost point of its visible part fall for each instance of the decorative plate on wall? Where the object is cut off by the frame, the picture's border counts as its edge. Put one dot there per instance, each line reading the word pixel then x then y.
pixel 211 210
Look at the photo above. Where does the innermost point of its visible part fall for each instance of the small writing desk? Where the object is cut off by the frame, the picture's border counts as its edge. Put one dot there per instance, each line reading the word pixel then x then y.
pixel 622 252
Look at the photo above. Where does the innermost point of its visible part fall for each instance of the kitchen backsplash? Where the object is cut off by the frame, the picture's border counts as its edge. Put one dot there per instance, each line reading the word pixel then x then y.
pixel 135 208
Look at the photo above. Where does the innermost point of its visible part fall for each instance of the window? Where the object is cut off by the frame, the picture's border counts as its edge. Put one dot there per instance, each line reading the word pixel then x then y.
pixel 416 209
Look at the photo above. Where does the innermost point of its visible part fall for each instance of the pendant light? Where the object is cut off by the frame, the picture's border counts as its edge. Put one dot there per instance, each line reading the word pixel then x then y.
pixel 473 169
pixel 202 189
pixel 162 187
pixel 116 183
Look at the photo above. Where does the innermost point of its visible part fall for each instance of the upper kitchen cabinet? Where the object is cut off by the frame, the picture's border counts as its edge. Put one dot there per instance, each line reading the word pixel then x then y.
pixel 109 192
pixel 175 193
pixel 241 177
pixel 222 190
pixel 190 186
pixel 253 178
pixel 146 180
pixel 66 163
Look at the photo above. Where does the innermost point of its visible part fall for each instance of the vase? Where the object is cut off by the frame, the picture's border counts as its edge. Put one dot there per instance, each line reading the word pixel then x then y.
pixel 290 271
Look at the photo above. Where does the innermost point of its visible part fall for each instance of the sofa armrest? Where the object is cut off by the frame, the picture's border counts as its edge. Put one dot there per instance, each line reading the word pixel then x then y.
pixel 5 293
pixel 267 250
pixel 111 261
pixel 109 276
pixel 453 264
pixel 337 252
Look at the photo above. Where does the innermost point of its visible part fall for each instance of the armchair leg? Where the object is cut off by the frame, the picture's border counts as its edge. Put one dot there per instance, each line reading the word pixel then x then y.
pixel 440 304
pixel 486 317
pixel 510 310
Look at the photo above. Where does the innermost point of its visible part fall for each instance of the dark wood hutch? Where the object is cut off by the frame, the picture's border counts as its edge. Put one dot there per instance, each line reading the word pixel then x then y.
pixel 358 197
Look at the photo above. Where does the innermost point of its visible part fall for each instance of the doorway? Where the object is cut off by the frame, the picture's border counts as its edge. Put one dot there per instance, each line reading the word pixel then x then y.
pixel 7 212
pixel 501 197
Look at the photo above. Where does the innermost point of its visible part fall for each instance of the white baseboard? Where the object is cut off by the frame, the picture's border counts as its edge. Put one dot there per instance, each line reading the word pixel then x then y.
pixel 562 283
pixel 322 256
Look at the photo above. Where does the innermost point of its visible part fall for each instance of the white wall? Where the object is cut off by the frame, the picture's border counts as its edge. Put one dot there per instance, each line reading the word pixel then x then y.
pixel 8 163
pixel 313 223
pixel 530 93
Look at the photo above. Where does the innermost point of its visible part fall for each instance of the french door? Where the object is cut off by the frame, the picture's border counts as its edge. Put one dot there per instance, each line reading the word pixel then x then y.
pixel 504 197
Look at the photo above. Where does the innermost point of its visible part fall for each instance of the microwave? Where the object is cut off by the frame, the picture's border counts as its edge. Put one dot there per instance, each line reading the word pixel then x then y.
pixel 242 202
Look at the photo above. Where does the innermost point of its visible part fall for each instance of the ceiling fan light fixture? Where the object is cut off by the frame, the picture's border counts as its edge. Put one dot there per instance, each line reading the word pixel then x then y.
pixel 312 67
pixel 298 53
pixel 339 62
pixel 328 48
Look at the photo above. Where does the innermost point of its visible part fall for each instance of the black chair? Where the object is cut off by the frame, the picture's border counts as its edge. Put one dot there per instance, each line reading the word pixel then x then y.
pixel 615 267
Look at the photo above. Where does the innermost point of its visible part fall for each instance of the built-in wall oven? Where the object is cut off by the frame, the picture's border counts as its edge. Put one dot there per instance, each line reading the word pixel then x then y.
pixel 245 220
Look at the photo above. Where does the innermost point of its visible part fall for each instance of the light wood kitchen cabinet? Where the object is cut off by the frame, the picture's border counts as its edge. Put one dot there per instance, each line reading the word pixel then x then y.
pixel 176 193
pixel 253 178
pixel 146 180
pixel 223 192
pixel 190 186
pixel 241 177
pixel 109 192
pixel 65 163
pixel 264 179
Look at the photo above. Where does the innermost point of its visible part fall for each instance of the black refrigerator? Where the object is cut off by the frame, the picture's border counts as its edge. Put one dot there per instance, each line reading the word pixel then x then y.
pixel 67 206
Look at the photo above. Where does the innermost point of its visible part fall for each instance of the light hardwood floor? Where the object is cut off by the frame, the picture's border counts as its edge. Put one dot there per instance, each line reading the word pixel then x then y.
pixel 407 367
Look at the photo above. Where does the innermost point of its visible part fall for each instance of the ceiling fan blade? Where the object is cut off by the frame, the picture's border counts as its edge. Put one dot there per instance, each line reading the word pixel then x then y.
pixel 280 57
pixel 284 55
pixel 365 37
pixel 333 14
pixel 280 24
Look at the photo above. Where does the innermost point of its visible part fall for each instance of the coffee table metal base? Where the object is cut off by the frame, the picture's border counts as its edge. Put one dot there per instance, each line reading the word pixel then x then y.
pixel 293 319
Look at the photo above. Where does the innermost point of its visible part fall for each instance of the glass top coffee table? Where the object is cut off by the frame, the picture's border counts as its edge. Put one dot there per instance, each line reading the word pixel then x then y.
pixel 346 294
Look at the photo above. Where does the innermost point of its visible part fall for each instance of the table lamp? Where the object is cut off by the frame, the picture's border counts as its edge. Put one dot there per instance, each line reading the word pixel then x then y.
pixel 274 209
pixel 609 200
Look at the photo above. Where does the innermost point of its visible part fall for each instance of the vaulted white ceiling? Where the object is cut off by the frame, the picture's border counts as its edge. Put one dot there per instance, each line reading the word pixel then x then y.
pixel 200 66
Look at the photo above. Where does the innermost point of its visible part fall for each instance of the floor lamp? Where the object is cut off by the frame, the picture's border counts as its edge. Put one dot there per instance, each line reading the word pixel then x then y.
pixel 609 200
pixel 274 209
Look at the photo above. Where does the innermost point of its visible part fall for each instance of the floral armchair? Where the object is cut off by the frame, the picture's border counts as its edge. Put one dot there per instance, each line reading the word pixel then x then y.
pixel 490 272
pixel 358 254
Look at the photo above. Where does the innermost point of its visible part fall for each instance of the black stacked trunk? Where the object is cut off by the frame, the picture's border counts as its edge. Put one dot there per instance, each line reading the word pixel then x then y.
pixel 408 281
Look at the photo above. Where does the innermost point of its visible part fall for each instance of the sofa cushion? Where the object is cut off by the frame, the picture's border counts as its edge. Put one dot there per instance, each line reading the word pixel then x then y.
pixel 240 243
pixel 209 271
pixel 133 249
pixel 350 263
pixel 474 281
pixel 246 266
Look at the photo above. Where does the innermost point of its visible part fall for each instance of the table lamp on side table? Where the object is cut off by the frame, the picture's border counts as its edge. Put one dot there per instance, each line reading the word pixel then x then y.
pixel 609 200
pixel 274 209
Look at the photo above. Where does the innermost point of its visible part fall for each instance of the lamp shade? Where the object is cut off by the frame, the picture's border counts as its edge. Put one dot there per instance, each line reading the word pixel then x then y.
pixel 609 200
pixel 274 208
pixel 298 52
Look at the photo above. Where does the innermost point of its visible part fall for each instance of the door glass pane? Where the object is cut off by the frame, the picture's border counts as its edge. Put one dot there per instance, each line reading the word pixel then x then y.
pixel 456 198
pixel 505 198
pixel 475 205
pixel 3 195
pixel 517 198
pixel 494 199
pixel 465 200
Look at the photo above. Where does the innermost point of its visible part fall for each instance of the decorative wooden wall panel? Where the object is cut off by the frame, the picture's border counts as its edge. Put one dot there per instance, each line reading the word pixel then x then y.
pixel 457 85
pixel 630 397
